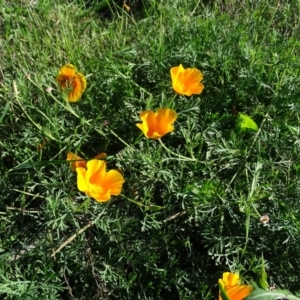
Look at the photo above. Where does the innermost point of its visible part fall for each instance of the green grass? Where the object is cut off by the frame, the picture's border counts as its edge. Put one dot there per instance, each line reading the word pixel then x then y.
pixel 249 54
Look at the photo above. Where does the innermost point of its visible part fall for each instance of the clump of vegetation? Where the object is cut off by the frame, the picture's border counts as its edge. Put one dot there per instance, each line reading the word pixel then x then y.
pixel 204 187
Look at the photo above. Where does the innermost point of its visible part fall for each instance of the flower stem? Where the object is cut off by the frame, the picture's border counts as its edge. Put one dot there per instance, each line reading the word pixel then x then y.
pixel 176 154
pixel 38 126
pixel 68 107
pixel 133 201
pixel 121 140
pixel 151 207
pixel 255 209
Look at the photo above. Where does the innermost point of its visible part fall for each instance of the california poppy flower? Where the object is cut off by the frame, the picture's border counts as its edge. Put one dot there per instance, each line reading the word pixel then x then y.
pixel 80 163
pixel 186 81
pixel 97 183
pixel 156 124
pixel 71 82
pixel 232 287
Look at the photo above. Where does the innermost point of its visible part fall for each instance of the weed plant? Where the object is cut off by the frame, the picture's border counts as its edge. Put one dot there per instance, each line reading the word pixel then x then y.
pixel 210 223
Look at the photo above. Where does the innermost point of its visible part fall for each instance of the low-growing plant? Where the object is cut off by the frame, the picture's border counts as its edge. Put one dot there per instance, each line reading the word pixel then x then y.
pixel 149 150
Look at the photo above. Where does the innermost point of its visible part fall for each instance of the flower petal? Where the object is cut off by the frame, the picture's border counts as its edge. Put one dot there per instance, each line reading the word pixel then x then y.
pixel 71 82
pixel 76 164
pixel 230 282
pixel 239 292
pixel 231 279
pixel 155 125
pixel 95 171
pixel 186 81
pixel 100 155
pixel 97 183
pixel 167 115
pixel 101 197
pixel 81 182
pixel 165 118
pixel 113 182
pixel 68 70
pixel 147 117
pixel 78 87
pixel 174 73
pixel 93 166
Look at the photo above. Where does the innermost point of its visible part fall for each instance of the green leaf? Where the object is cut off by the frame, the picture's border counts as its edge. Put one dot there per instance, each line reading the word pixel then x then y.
pixel 38 164
pixel 155 207
pixel 260 294
pixel 245 122
pixel 4 112
pixel 262 282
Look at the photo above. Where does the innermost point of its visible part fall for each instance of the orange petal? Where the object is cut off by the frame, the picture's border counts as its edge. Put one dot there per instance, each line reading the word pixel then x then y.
pixel 231 279
pixel 76 164
pixel 74 82
pixel 140 126
pixel 62 80
pixel 100 155
pixel 175 71
pixel 78 87
pixel 193 74
pixel 151 124
pixel 95 171
pixel 144 126
pixel 82 79
pixel 97 183
pixel 186 81
pixel 165 118
pixel 239 292
pixel 113 182
pixel 81 181
pixel 67 70
pixel 155 125
pixel 168 116
pixel 101 197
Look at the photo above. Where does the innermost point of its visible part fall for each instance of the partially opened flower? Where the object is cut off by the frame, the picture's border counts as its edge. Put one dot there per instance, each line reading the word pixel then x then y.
pixel 80 162
pixel 186 81
pixel 232 287
pixel 97 183
pixel 156 124
pixel 230 279
pixel 71 82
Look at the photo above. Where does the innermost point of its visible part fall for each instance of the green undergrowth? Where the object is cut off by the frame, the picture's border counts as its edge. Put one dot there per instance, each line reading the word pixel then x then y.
pixel 210 222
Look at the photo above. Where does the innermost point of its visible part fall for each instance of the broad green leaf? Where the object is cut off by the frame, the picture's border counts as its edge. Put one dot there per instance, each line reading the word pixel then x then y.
pixel 245 122
pixel 260 294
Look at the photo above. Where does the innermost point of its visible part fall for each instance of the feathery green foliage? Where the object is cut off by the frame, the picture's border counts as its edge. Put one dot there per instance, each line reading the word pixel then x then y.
pixel 210 223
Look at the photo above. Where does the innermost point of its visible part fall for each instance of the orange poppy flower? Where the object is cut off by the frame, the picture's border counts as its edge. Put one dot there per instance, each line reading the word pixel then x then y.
pixel 186 81
pixel 71 82
pixel 232 287
pixel 80 163
pixel 97 183
pixel 156 124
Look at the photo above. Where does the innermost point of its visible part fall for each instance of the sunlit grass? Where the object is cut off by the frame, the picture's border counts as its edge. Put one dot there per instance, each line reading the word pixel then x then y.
pixel 190 206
